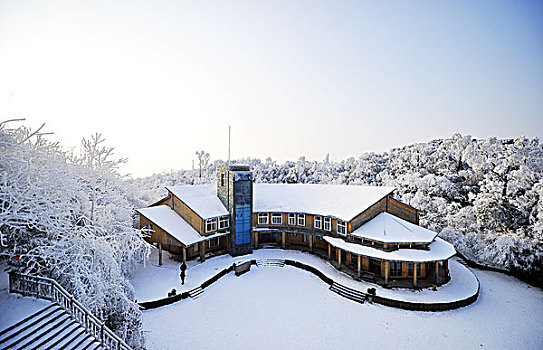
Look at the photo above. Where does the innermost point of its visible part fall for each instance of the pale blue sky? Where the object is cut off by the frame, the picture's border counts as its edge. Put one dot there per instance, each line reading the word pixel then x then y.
pixel 162 79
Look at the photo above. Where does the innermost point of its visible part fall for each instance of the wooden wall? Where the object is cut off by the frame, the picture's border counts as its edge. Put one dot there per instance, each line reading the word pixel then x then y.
pixel 189 215
pixel 403 211
pixel 368 214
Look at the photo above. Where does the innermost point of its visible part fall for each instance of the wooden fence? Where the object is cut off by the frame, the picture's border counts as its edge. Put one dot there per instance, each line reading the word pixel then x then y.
pixel 48 289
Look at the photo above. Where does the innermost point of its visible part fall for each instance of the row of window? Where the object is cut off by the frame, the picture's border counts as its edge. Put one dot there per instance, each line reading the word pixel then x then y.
pixel 299 220
pixel 211 224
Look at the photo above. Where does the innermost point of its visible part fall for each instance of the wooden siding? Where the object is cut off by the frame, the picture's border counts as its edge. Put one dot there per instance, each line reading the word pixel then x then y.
pixel 189 216
pixel 402 211
pixel 159 235
pixel 367 215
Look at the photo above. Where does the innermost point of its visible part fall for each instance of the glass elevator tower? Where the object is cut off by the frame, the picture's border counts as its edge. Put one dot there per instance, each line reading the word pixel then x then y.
pixel 235 190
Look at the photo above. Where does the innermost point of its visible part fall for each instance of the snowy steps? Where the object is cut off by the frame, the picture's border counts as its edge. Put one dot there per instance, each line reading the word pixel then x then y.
pixel 271 262
pixel 196 292
pixel 348 293
pixel 49 328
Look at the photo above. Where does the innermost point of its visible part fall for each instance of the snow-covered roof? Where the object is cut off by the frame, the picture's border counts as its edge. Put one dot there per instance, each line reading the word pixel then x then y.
pixel 169 221
pixel 439 250
pixel 340 201
pixel 388 228
pixel 200 198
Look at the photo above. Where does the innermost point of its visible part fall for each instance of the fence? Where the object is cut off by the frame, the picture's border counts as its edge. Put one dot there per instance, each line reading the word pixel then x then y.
pixel 48 289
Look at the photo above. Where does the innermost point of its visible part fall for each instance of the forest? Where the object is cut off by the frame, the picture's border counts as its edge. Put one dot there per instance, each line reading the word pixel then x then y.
pixel 71 216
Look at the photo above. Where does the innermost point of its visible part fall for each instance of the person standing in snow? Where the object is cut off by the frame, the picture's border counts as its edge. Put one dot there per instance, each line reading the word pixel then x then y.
pixel 183 274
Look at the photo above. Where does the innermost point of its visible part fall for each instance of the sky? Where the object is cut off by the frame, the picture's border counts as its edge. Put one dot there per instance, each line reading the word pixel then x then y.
pixel 161 80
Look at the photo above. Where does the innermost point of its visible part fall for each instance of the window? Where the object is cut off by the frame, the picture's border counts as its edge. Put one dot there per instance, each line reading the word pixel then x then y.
pixel 395 268
pixel 301 219
pixel 276 219
pixel 305 238
pixel 262 218
pixel 211 225
pixel 328 224
pixel 412 268
pixel 292 219
pixel 213 242
pixel 147 230
pixel 223 180
pixel 196 246
pixel 341 227
pixel 224 222
pixel 318 222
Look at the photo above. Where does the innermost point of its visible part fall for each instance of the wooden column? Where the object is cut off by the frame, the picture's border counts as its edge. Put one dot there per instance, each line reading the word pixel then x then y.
pixel 359 265
pixel 311 243
pixel 185 255
pixel 255 239
pixel 338 253
pixel 415 265
pixel 387 271
pixel 160 252
pixel 437 271
pixel 283 240
pixel 203 251
pixel 329 251
pixel 348 258
pixel 446 267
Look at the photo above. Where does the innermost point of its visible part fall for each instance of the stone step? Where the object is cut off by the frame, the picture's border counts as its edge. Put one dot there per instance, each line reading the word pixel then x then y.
pixel 49 328
pixel 348 293
pixel 196 292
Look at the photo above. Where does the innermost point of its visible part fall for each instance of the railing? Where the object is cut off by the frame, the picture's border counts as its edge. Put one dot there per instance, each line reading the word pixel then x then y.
pixel 48 289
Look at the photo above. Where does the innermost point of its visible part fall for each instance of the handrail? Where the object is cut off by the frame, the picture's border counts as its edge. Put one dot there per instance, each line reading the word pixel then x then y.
pixel 49 289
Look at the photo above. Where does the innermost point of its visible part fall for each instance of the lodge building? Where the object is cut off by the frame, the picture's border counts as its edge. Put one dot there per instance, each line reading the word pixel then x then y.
pixel 362 230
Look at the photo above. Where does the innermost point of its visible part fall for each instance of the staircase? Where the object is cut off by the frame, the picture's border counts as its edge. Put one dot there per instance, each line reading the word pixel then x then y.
pixel 271 262
pixel 196 292
pixel 348 293
pixel 49 328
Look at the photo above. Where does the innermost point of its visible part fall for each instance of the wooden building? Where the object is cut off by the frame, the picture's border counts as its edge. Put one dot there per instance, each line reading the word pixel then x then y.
pixel 362 229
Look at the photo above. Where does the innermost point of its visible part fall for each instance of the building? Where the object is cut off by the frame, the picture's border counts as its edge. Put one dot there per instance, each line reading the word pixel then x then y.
pixel 362 230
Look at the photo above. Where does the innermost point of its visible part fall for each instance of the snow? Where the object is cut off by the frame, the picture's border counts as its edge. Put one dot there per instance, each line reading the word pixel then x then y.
pixel 14 307
pixel 153 282
pixel 439 250
pixel 288 308
pixel 171 222
pixel 340 201
pixel 388 228
pixel 200 198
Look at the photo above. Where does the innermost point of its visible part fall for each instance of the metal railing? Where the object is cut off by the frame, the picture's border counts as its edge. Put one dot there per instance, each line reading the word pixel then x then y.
pixel 48 289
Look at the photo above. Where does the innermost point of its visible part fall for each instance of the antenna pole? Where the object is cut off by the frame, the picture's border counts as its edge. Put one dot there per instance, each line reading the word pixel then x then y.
pixel 229 128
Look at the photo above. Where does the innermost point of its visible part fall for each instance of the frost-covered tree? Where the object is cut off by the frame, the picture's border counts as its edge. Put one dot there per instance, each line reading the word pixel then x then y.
pixel 70 219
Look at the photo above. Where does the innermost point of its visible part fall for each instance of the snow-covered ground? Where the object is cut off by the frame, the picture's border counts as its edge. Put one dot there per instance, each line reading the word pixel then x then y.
pixel 154 282
pixel 14 307
pixel 288 308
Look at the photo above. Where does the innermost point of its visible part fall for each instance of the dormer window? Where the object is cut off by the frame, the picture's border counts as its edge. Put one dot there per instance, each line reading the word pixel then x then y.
pixel 341 227
pixel 211 225
pixel 262 218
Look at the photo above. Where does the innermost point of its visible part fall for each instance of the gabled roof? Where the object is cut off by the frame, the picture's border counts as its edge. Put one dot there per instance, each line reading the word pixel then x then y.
pixel 388 228
pixel 340 201
pixel 200 198
pixel 169 221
